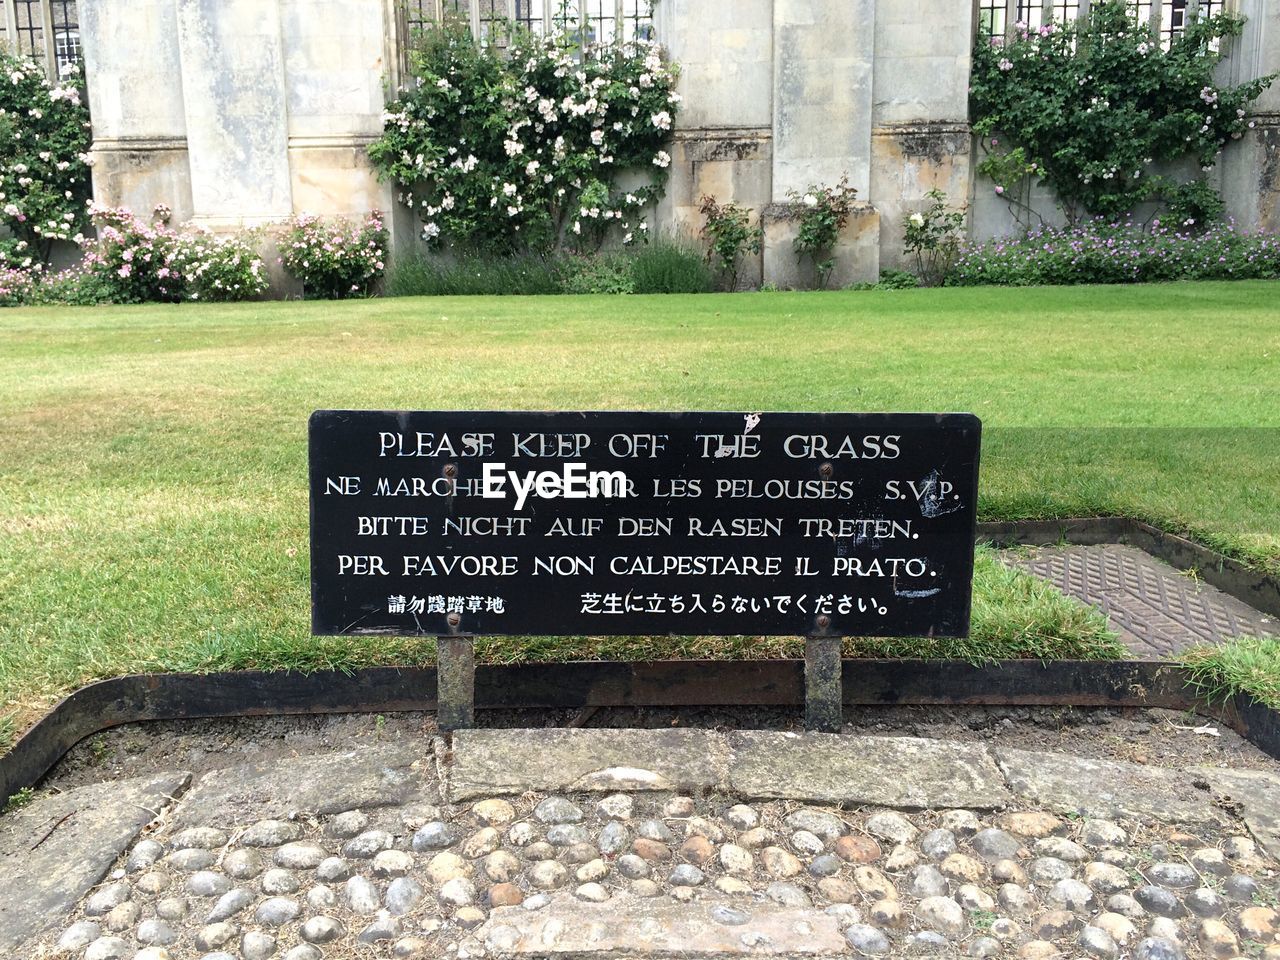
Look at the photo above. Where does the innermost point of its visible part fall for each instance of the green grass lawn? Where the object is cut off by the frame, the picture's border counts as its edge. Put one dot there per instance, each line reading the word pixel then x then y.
pixel 153 499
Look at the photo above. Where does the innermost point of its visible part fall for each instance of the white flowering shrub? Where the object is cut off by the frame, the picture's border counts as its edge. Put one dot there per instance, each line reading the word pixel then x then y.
pixel 524 150
pixel 334 259
pixel 140 261
pixel 44 169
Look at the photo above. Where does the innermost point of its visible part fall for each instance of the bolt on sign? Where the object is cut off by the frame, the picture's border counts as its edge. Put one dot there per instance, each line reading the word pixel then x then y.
pixel 482 523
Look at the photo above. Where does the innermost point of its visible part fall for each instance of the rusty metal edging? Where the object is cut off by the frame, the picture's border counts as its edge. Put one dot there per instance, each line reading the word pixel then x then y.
pixel 668 683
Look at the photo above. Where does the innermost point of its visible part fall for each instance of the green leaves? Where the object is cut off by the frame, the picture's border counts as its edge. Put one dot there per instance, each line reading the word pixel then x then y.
pixel 1098 106
pixel 495 148
pixel 44 173
pixel 933 237
pixel 823 213
pixel 729 234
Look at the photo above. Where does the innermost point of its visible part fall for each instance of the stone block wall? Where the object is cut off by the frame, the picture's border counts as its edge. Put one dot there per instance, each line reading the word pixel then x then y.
pixel 135 97
pixel 238 113
pixel 241 112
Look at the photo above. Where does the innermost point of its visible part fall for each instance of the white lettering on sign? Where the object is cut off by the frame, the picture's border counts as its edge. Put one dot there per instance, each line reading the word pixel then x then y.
pixel 801 446
pixel 391 526
pixel 584 523
pixel 549 444
pixel 423 444
pixel 573 482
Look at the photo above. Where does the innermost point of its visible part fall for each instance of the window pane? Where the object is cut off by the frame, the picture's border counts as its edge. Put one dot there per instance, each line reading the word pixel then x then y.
pixel 528 14
pixel 1140 10
pixel 1064 11
pixel 30 27
pixel 600 21
pixel 991 15
pixel 493 22
pixel 422 13
pixel 66 35
pixel 637 19
pixel 1173 17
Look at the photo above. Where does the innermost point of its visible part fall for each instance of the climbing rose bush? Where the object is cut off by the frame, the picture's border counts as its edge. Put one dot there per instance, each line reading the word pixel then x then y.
pixel 1093 109
pixel 44 167
pixel 334 258
pixel 527 150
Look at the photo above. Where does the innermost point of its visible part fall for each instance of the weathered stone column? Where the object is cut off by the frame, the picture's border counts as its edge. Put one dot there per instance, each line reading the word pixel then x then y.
pixel 134 75
pixel 823 68
pixel 338 54
pixel 1250 167
pixel 723 139
pixel 233 89
pixel 921 138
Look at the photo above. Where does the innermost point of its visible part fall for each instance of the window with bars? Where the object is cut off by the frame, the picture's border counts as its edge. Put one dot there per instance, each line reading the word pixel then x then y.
pixel 424 13
pixel 1140 10
pixel 66 36
pixel 1173 17
pixel 599 18
pixel 46 30
pixel 1176 14
pixel 601 21
pixel 1062 11
pixel 1168 17
pixel 991 14
pixel 530 14
pixel 637 19
pixel 30 26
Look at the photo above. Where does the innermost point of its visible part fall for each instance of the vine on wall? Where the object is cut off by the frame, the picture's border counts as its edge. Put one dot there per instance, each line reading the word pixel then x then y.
pixel 1096 109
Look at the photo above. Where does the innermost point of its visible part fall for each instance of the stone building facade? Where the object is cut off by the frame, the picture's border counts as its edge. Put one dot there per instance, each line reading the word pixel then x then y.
pixel 242 112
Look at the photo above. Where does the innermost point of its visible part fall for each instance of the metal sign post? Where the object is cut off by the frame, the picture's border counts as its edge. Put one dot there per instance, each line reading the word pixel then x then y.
pixel 455 683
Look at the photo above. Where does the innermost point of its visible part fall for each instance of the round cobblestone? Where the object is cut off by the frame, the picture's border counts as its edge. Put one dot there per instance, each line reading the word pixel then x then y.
pixel 867 940
pixel 557 810
pixel 271 833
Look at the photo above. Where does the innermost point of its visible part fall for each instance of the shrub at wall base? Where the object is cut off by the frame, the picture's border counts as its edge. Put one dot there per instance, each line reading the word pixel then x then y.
pixel 523 149
pixel 1098 110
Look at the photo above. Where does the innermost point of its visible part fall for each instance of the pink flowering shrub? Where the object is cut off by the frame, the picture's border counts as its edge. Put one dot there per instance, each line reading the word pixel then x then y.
pixel 44 167
pixel 334 259
pixel 16 286
pixel 142 261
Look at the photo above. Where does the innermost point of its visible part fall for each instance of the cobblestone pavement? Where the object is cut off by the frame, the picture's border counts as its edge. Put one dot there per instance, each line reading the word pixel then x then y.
pixel 678 843
pixel 1157 609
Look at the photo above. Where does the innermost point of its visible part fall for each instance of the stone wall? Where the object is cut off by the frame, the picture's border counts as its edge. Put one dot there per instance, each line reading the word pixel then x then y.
pixel 238 113
pixel 241 112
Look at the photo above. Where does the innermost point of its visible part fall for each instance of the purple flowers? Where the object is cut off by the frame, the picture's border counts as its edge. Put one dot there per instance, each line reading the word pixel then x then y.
pixel 1118 252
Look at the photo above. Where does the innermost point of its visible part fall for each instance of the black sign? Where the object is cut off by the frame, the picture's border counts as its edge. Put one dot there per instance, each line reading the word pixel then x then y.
pixel 642 523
